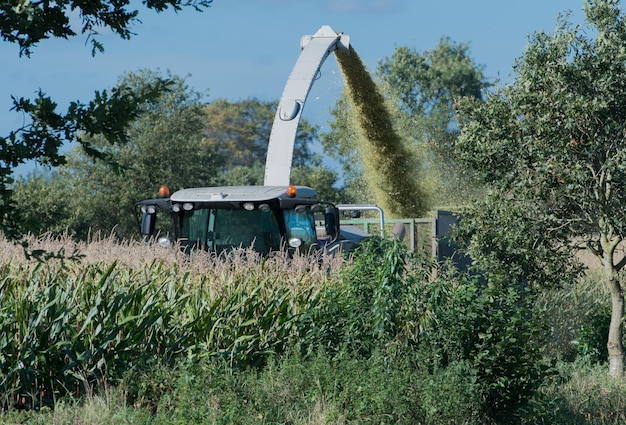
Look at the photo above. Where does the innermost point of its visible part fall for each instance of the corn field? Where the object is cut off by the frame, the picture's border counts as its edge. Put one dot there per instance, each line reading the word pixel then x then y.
pixel 101 309
pixel 79 319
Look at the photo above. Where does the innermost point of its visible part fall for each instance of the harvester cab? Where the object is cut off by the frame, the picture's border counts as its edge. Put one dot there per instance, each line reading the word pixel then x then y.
pixel 264 218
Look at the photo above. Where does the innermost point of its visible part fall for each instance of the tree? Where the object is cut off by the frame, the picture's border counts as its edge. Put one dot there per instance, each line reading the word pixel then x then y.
pixel 238 132
pixel 27 23
pixel 551 148
pixel 425 86
pixel 165 146
pixel 421 89
pixel 339 143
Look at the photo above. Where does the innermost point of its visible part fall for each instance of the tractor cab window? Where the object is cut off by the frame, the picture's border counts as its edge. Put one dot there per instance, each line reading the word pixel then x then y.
pixel 194 229
pixel 223 229
pixel 247 229
pixel 300 227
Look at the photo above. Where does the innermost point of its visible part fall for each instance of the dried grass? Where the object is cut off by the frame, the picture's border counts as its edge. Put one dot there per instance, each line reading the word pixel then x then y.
pixel 98 249
pixel 137 255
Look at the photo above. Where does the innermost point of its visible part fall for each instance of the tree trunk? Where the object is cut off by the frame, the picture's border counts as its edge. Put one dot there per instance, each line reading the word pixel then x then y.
pixel 614 343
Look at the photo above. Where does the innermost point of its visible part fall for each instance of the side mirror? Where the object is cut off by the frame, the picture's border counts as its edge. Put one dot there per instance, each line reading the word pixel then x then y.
pixel 148 221
pixel 331 221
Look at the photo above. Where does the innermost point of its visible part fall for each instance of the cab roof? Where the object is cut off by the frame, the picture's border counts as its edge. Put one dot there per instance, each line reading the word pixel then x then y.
pixel 239 193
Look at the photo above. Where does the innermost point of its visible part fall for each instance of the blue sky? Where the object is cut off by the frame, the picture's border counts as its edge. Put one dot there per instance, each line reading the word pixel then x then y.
pixel 238 49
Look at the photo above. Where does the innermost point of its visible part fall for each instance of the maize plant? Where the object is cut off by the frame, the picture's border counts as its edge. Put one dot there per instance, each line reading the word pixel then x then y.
pixel 66 327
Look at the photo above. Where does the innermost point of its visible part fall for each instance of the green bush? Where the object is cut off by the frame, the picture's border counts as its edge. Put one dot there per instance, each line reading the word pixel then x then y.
pixel 393 302
pixel 489 328
pixel 323 389
pixel 294 390
pixel 377 296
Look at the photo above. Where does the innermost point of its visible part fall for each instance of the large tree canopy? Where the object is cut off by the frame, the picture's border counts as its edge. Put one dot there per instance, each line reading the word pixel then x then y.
pixel 27 22
pixel 46 130
pixel 165 146
pixel 427 84
pixel 551 146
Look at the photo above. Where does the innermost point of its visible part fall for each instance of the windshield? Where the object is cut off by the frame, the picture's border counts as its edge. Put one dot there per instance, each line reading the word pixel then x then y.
pixel 220 229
